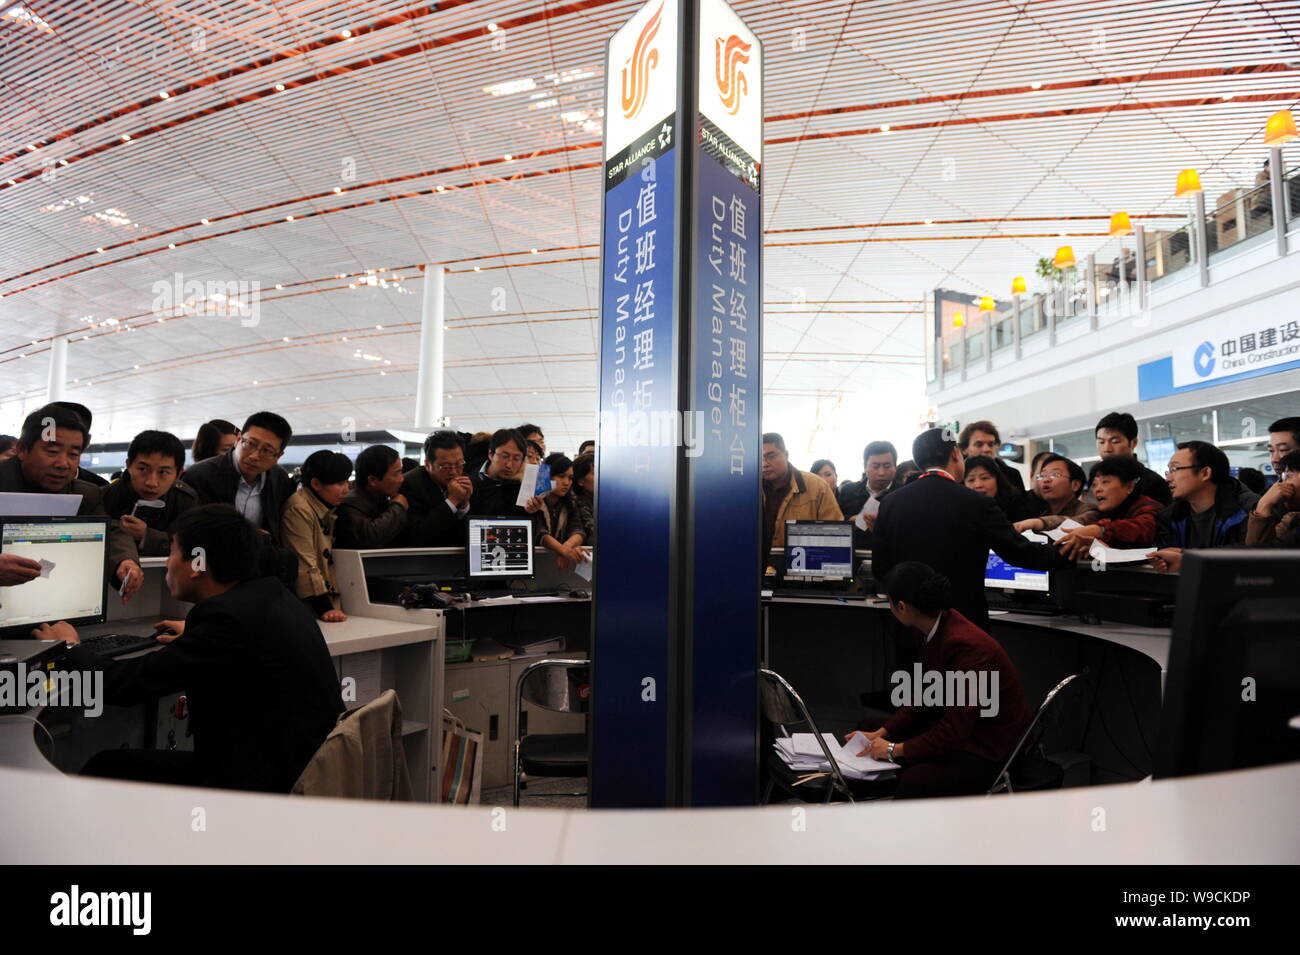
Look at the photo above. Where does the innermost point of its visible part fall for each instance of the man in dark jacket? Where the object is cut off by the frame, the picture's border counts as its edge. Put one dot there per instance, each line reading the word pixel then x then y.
pixel 262 690
pixel 149 497
pixel 1117 436
pixel 48 461
pixel 248 477
pixel 1210 509
pixel 439 494
pixel 879 467
pixel 374 513
pixel 496 485
pixel 937 521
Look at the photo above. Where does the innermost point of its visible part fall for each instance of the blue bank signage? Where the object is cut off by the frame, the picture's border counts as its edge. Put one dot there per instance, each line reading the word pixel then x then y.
pixel 676 624
pixel 1264 344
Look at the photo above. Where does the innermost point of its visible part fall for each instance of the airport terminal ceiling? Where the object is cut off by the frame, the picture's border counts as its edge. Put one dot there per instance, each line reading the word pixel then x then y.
pixel 309 157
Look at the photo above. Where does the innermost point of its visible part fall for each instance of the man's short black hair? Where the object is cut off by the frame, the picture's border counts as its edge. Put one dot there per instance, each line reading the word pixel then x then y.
pixel 772 437
pixel 273 423
pixel 63 418
pixel 583 465
pixel 1254 479
pixel 527 429
pixel 1286 424
pixel 968 433
pixel 156 442
pixel 534 446
pixel 1120 421
pixel 1206 455
pixel 1122 466
pixel 7 441
pixel 1073 470
pixel 880 447
pixel 1290 463
pixel 441 441
pixel 933 448
pixel 374 462
pixel 79 408
pixel 226 541
pixel 507 436
pixel 582 448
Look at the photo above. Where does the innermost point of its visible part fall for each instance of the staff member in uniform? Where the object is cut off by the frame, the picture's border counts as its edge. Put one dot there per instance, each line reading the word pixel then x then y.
pixel 941 523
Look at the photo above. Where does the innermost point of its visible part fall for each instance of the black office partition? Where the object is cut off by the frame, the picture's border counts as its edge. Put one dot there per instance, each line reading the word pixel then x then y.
pixel 676 615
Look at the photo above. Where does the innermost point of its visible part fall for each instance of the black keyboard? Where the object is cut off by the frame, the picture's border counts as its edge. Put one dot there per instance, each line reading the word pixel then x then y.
pixel 118 644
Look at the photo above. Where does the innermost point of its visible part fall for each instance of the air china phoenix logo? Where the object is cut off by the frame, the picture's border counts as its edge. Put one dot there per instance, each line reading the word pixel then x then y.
pixel 729 54
pixel 644 58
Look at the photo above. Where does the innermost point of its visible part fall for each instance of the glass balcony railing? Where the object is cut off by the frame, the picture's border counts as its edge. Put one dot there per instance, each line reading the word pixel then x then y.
pixel 1167 253
pixel 1240 215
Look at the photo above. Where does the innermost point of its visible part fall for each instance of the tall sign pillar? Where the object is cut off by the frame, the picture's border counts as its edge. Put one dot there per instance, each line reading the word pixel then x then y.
pixel 678 498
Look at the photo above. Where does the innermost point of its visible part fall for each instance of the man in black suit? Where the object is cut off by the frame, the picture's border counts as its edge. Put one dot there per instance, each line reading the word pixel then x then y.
pixel 496 484
pixel 438 495
pixel 248 476
pixel 940 522
pixel 262 691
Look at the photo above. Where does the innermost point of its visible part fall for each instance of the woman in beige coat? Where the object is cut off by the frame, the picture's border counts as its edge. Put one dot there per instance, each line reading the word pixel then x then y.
pixel 308 528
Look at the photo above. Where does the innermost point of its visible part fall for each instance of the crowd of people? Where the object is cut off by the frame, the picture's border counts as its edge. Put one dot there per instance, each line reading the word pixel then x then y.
pixel 1196 503
pixel 380 500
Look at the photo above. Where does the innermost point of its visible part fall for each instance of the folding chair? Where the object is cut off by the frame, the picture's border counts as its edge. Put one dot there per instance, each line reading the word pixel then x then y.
pixel 561 686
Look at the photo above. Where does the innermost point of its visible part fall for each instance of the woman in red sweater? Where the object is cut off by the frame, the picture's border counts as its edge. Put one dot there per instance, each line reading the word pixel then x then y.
pixel 950 744
pixel 1128 519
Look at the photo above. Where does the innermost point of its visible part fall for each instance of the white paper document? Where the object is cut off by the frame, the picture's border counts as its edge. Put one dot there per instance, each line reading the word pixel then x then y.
pixel 22 504
pixel 46 567
pixel 870 509
pixel 1068 525
pixel 584 569
pixel 1102 555
pixel 527 485
pixel 802 754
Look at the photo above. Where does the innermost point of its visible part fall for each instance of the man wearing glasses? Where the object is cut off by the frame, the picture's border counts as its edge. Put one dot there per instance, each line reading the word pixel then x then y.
pixel 496 485
pixel 438 495
pixel 248 476
pixel 1207 510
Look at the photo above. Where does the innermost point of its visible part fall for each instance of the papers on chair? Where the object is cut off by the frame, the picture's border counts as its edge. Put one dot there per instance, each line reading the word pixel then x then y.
pixel 22 504
pixel 801 753
pixel 1102 555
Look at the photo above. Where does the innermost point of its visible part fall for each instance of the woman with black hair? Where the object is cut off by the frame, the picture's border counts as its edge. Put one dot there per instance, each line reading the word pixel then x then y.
pixel 985 475
pixel 965 710
pixel 557 522
pixel 215 438
pixel 308 530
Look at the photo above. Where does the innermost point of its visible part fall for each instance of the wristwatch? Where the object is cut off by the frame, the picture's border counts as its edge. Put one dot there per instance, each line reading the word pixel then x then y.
pixel 889 752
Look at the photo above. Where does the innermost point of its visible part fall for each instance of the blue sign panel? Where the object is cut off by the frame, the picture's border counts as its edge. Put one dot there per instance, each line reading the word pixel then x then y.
pixel 636 477
pixel 726 494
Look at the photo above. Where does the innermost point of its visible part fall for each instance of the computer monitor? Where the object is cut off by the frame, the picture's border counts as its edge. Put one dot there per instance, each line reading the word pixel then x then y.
pixel 75 588
pixel 819 550
pixel 500 548
pixel 1000 575
pixel 1232 687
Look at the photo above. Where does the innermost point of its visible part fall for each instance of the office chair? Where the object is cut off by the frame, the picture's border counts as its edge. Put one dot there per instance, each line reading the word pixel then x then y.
pixel 782 708
pixel 1030 767
pixel 561 686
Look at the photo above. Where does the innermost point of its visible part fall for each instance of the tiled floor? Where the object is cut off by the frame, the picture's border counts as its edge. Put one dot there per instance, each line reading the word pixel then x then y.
pixel 541 793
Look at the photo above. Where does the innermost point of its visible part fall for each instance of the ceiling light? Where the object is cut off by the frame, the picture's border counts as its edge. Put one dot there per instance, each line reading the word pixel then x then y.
pixel 338 188
pixel 929 222
pixel 345 34
pixel 126 137
pixel 476 268
pixel 1120 224
pixel 12 182
pixel 380 327
pixel 163 94
pixel 100 251
pixel 534 251
pixel 884 127
pixel 31 147
pixel 63 162
pixel 1036 86
pixel 1189 180
pixel 1227 96
pixel 279 285
pixel 1064 258
pixel 1280 128
pixel 171 245
pixel 286 338
pixel 1018 286
pixel 279 87
pixel 509 157
pixel 288 218
pixel 986 305
pixel 493 27
pixel 441 188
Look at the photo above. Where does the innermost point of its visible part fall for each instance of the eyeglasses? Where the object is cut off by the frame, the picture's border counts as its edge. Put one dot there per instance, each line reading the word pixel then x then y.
pixel 1042 476
pixel 507 458
pixel 450 467
pixel 1181 467
pixel 253 449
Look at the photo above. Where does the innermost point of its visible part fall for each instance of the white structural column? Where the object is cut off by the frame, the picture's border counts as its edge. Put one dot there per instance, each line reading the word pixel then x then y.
pixel 429 383
pixel 58 370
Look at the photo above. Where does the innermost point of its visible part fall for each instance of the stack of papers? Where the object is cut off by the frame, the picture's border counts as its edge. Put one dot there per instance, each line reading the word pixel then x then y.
pixel 801 753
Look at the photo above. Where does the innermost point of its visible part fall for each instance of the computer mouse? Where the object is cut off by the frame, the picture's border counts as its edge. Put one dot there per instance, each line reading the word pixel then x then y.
pixel 579 595
pixel 165 632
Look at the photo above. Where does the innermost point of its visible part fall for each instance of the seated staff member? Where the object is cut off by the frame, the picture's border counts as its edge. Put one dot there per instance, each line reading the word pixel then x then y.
pixel 984 474
pixel 1128 517
pixel 584 493
pixel 250 658
pixel 248 476
pixel 374 514
pixel 557 522
pixel 937 521
pixel 1117 437
pixel 496 485
pixel 949 750
pixel 309 530
pixel 438 495
pixel 1060 482
pixel 1275 519
pixel 215 438
pixel 982 438
pixel 48 461
pixel 790 494
pixel 154 461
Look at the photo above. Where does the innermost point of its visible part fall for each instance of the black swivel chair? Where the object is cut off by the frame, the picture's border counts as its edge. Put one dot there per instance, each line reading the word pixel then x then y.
pixel 561 686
